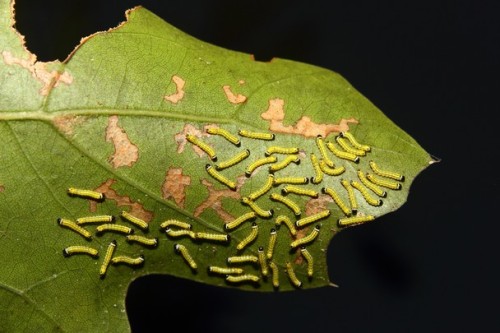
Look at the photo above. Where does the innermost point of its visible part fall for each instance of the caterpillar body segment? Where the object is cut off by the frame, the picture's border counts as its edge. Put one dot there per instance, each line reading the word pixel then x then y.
pixel 372 186
pixel 345 144
pixel 354 142
pixel 238 158
pixel 86 194
pixel 386 173
pixel 202 145
pixel 366 195
pixel 320 143
pixel 239 220
pixel 225 134
pixel 263 161
pixel 342 153
pixel 219 177
pixel 338 200
pixel 354 220
pixel 256 135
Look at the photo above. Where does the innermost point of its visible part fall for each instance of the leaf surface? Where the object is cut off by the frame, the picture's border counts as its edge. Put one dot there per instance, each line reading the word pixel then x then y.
pixel 116 118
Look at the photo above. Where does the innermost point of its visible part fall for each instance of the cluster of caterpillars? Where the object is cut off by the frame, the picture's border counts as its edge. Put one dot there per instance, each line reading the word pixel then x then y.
pixel 326 162
pixel 104 224
pixel 288 191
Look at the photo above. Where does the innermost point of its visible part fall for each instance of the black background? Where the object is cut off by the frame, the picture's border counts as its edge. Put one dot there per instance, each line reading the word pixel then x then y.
pixel 430 66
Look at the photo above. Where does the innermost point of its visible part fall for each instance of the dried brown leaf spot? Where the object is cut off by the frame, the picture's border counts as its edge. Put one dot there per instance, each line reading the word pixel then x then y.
pixel 180 138
pixel 179 90
pixel 319 204
pixel 66 124
pixel 126 153
pixel 39 71
pixel 2 188
pixel 215 197
pixel 232 97
pixel 174 186
pixel 275 114
pixel 136 209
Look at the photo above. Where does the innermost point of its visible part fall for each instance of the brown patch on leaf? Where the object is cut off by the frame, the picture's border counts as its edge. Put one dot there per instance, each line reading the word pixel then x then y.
pixel 66 124
pixel 126 153
pixel 232 97
pixel 2 188
pixel 316 205
pixel 179 90
pixel 214 199
pixel 275 114
pixel 181 140
pixel 174 186
pixel 299 259
pixel 39 71
pixel 136 209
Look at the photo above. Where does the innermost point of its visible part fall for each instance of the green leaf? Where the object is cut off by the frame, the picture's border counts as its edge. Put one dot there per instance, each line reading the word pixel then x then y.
pixel 114 117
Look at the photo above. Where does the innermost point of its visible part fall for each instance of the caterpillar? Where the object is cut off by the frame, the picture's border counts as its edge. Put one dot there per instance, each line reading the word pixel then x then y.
pixel 383 182
pixel 263 261
pixel 366 195
pixel 322 150
pixel 292 276
pixel 348 148
pixel 242 278
pixel 203 146
pixel 75 227
pixel 287 202
pixel 337 199
pixel 275 274
pixel 176 223
pixel 152 242
pixel 233 160
pixel 350 195
pixel 348 221
pixel 225 134
pixel 78 249
pixel 281 150
pixel 225 270
pixel 242 259
pixel 107 259
pixel 317 170
pixel 284 163
pixel 256 135
pixel 220 178
pixel 139 261
pixel 88 194
pixel 239 220
pixel 250 237
pixel 272 243
pixel 331 171
pixel 284 219
pixel 298 190
pixel 373 187
pixel 184 252
pixel 290 180
pixel 341 153
pixel 263 190
pixel 354 142
pixel 180 233
pixel 135 220
pixel 259 211
pixel 385 173
pixel 212 237
pixel 312 218
pixel 95 219
pixel 307 239
pixel 114 228
pixel 309 259
pixel 251 168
